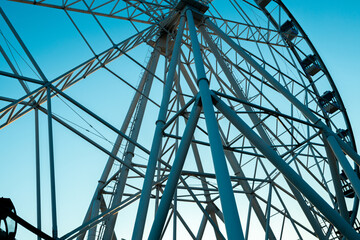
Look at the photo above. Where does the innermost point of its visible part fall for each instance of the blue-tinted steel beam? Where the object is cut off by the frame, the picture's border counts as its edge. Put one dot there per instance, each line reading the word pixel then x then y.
pixel 175 172
pixel 280 88
pixel 129 154
pixel 228 204
pixel 156 144
pixel 37 164
pixel 333 216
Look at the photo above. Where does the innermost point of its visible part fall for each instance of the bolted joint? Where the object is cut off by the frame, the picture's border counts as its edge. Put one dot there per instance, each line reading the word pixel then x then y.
pixel 160 121
pixel 198 81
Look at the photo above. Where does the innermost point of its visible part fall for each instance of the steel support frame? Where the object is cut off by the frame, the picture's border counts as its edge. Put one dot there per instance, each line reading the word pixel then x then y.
pixel 156 144
pixel 305 110
pixel 280 88
pixel 95 202
pixel 231 216
pixel 239 93
pixel 148 77
pixel 38 173
pixel 199 167
pixel 254 118
pixel 333 216
pixel 175 172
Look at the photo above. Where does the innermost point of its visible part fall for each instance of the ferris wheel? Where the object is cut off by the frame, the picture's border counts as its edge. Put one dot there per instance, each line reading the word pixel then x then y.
pixel 165 119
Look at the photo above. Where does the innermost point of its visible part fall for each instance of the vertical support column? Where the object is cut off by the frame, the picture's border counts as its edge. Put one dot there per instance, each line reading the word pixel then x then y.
pixel 333 216
pixel 52 165
pixel 156 144
pixel 129 154
pixel 174 174
pixel 38 182
pixel 203 183
pixel 231 215
pixel 268 209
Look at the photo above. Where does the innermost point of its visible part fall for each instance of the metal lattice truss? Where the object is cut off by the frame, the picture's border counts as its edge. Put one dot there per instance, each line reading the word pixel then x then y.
pixel 245 145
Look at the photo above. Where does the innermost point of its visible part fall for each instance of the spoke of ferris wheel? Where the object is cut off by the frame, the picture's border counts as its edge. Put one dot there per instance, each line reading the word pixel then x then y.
pixel 305 110
pixel 110 224
pixel 253 116
pixel 7 59
pixel 23 78
pixel 240 31
pixel 203 180
pixel 156 143
pixel 175 172
pixel 92 114
pixel 16 75
pixel 289 96
pixel 92 142
pixel 288 172
pixel 232 220
pixel 23 45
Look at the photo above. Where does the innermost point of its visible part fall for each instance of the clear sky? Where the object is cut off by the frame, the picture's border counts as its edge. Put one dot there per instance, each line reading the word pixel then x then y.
pixel 332 26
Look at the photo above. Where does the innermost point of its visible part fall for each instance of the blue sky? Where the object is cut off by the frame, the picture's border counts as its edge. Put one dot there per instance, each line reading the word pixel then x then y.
pixel 332 26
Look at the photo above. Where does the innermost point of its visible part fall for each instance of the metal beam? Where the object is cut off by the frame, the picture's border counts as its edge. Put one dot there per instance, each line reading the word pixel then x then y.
pixel 37 164
pixel 280 88
pixel 232 220
pixel 134 133
pixel 175 172
pixel 156 144
pixel 288 172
